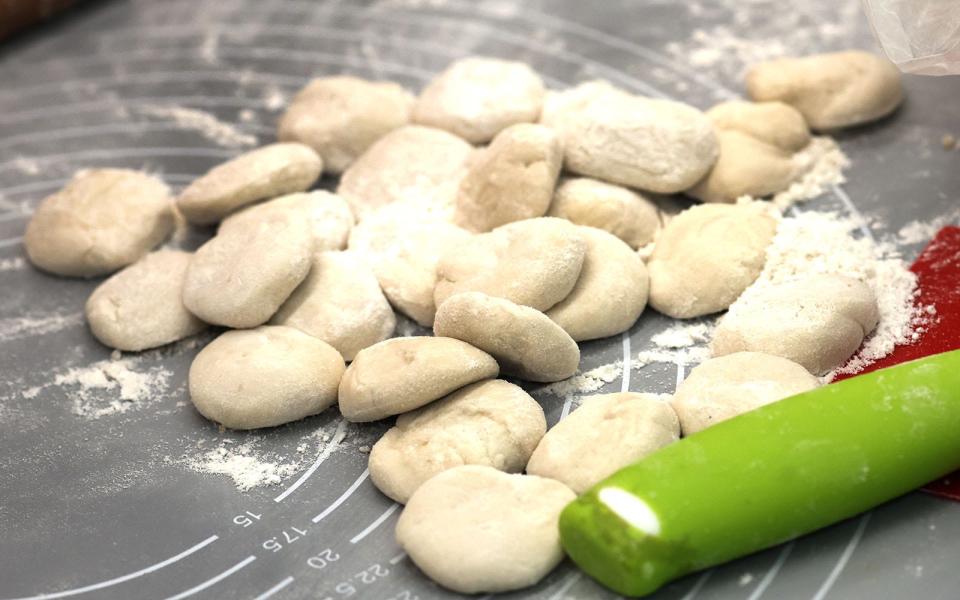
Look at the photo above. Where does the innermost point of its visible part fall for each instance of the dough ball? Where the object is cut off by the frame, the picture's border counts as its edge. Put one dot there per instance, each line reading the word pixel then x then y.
pixel 327 214
pixel 141 307
pixel 613 208
pixel 657 145
pixel 746 167
pixel 774 123
pixel 241 277
pixel 707 256
pixel 404 253
pixel 608 432
pixel 340 117
pixel 401 374
pixel 610 293
pixel 535 262
pixel 475 529
pixel 339 302
pixel 525 342
pixel 511 179
pixel 477 97
pixel 817 321
pixel 724 387
pixel 263 377
pixel 491 423
pixel 838 89
pixel 418 165
pixel 101 221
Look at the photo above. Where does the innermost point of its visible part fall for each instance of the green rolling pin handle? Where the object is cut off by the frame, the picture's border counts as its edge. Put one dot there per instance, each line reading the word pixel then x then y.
pixel 768 476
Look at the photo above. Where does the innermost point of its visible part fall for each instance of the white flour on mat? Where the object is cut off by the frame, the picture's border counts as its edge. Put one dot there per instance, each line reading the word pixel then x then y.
pixel 109 387
pixel 589 381
pixel 921 232
pixel 14 328
pixel 207 124
pixel 12 264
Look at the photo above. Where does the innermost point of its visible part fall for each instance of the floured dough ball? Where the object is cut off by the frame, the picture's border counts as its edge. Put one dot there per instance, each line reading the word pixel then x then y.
pixel 492 423
pixel 401 374
pixel 773 123
pixel 266 172
pixel 757 146
pixel 817 321
pixel 475 529
pixel 477 97
pixel 141 307
pixel 707 256
pixel 525 342
pixel 340 117
pixel 608 432
pixel 838 89
pixel 339 302
pixel 511 179
pixel 610 293
pixel 263 377
pixel 724 387
pixel 607 133
pixel 242 276
pixel 101 221
pixel 404 253
pixel 421 166
pixel 535 262
pixel 624 213
pixel 328 215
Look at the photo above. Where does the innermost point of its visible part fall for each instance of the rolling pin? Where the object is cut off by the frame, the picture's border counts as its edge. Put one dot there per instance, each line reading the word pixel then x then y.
pixel 768 476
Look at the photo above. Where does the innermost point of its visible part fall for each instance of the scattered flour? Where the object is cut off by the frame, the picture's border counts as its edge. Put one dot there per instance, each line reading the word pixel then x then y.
pixel 683 335
pixel 27 166
pixel 12 264
pixel 112 386
pixel 13 328
pixel 686 356
pixel 921 232
pixel 583 383
pixel 824 243
pixel 203 122
pixel 274 98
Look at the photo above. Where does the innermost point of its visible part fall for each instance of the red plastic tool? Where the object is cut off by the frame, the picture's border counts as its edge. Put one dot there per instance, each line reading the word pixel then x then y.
pixel 938 278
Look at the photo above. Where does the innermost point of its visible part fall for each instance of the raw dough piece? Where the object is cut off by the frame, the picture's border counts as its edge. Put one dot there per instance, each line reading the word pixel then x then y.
pixel 511 179
pixel 818 321
pixel 724 387
pixel 707 255
pixel 475 529
pixel 757 145
pixel 329 216
pixel 266 172
pixel 774 123
pixel 535 262
pixel 404 253
pixel 607 133
pixel 418 165
pixel 264 377
pixel 492 423
pixel 101 221
pixel 242 276
pixel 525 342
pixel 624 213
pixel 837 89
pixel 401 374
pixel 141 307
pixel 610 293
pixel 477 97
pixel 339 302
pixel 340 117
pixel 607 433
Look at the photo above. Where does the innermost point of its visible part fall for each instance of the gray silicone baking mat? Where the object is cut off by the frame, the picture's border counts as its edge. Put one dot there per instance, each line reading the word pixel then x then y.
pixel 106 507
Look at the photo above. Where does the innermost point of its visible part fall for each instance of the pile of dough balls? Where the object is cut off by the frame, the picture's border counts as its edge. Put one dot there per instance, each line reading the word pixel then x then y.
pixel 514 221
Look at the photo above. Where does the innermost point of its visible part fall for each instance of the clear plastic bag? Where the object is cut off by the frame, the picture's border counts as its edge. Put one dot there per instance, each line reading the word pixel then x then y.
pixel 919 36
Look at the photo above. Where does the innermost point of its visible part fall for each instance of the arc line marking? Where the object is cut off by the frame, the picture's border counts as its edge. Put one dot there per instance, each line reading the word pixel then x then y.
pixel 11 242
pixel 49 183
pixel 844 559
pixel 127 577
pixel 567 404
pixel 334 443
pixel 72 109
pixel 568 583
pixel 131 127
pixel 372 526
pixel 213 580
pixel 772 573
pixel 681 373
pixel 275 589
pixel 397 558
pixel 861 223
pixel 343 497
pixel 139 152
pixel 698 585
pixel 625 378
